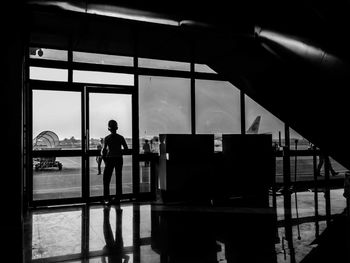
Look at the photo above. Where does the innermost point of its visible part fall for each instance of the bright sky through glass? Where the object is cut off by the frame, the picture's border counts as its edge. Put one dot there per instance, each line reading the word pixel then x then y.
pixel 57 111
pixel 97 77
pixel 104 107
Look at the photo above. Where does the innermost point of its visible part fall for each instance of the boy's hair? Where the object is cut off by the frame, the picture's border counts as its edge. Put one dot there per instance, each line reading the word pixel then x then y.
pixel 112 125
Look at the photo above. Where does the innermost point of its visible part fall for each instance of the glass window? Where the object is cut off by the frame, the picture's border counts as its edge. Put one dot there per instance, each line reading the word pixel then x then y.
pixel 96 180
pixel 97 77
pixel 337 167
pixel 164 107
pixel 49 74
pixel 267 123
pixel 145 177
pixel 56 119
pixel 297 139
pixel 203 68
pixel 104 107
pixel 147 254
pixel 338 202
pixel 102 59
pixel 56 178
pixel 163 64
pixel 217 107
pixel 46 53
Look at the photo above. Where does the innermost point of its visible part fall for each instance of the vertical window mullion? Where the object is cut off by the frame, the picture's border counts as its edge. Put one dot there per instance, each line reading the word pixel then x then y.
pixel 242 102
pixel 193 100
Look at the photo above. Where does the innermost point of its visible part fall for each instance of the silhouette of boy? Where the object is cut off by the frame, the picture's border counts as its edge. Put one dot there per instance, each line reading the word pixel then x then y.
pixel 113 159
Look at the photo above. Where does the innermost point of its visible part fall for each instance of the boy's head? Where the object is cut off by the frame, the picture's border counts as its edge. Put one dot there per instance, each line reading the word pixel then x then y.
pixel 112 125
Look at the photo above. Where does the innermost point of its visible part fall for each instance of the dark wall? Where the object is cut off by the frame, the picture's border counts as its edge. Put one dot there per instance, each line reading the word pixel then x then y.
pixel 11 101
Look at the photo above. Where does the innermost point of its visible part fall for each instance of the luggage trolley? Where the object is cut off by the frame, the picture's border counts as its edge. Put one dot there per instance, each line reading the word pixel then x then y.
pixel 46 140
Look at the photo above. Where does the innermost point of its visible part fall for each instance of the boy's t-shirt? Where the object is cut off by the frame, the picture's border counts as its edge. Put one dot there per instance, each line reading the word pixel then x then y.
pixel 113 144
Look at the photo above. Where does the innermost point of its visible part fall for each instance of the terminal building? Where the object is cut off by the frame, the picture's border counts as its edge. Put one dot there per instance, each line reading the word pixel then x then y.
pixel 234 117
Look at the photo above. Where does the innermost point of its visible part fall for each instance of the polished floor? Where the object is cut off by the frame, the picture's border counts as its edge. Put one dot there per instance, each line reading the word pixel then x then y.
pixel 146 232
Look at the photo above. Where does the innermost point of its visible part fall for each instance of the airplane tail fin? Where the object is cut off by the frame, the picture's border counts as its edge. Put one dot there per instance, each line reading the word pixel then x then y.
pixel 254 128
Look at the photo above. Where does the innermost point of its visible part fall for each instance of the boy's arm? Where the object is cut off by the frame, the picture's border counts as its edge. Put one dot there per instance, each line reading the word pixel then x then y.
pixel 125 146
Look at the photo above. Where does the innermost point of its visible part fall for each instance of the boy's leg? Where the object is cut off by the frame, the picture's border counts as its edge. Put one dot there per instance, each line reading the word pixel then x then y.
pixel 118 179
pixel 107 175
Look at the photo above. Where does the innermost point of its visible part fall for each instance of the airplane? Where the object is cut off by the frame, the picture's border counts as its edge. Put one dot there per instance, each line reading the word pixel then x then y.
pixel 254 128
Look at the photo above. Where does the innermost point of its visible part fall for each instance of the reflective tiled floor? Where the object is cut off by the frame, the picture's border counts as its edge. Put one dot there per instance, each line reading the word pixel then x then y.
pixel 169 233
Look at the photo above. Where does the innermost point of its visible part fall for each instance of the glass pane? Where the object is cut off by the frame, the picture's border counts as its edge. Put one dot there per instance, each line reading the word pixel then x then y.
pixel 49 74
pixel 203 68
pixel 338 202
pixel 102 59
pixel 145 221
pixel 301 168
pixel 104 107
pixel 46 243
pixel 305 203
pixel 147 254
pixel 321 202
pixel 217 107
pixel 96 180
pixel 164 106
pixel 296 138
pixel 56 178
pixel 267 123
pixel 56 119
pixel 337 167
pixel 163 64
pixel 46 53
pixel 97 77
pixel 145 177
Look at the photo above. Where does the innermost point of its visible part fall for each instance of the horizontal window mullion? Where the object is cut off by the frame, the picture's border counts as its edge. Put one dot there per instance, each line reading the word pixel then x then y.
pixel 48 63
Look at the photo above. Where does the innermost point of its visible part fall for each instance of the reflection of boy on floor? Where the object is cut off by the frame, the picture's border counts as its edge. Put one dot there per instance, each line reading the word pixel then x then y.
pixel 114 248
pixel 323 159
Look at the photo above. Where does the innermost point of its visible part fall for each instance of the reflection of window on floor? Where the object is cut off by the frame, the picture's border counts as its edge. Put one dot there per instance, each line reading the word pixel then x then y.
pixel 63 229
pixel 306 203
